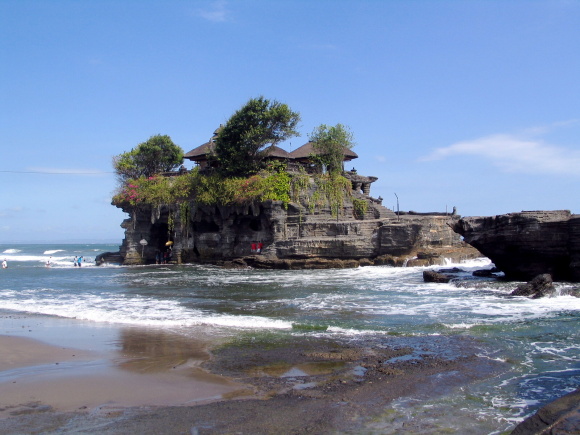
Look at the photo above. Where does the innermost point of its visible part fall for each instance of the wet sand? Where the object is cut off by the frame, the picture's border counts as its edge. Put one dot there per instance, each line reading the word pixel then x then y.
pixel 63 379
pixel 158 382
pixel 110 370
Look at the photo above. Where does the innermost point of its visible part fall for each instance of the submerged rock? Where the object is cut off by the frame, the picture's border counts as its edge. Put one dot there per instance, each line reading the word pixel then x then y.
pixel 483 273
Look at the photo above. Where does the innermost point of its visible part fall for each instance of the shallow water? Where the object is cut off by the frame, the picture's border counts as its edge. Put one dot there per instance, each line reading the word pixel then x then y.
pixel 539 340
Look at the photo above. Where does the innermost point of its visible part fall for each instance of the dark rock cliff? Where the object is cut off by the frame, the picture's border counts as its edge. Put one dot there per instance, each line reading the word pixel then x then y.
pixel 292 237
pixel 524 245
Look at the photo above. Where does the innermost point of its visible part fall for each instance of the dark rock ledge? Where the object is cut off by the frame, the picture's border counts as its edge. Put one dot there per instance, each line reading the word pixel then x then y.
pixel 527 244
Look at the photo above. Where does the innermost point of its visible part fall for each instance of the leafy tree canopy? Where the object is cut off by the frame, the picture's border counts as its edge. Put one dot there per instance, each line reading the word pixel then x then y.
pixel 241 143
pixel 156 155
pixel 330 143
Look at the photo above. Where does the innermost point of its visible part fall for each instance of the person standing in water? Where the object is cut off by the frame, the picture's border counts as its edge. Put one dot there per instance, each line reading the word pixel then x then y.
pixel 80 261
pixel 75 261
pixel 4 264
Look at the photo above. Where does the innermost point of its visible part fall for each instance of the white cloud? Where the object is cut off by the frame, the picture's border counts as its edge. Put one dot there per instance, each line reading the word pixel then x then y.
pixel 217 12
pixel 517 153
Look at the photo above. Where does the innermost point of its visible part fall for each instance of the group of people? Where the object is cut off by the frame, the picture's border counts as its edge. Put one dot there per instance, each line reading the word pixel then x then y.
pixel 257 247
pixel 163 257
pixel 78 261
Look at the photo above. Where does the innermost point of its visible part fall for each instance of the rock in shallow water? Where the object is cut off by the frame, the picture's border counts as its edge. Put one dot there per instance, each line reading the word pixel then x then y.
pixel 432 276
pixel 529 243
pixel 561 416
pixel 539 287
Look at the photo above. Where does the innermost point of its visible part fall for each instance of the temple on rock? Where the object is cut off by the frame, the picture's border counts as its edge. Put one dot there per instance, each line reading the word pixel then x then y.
pixel 308 232
pixel 300 158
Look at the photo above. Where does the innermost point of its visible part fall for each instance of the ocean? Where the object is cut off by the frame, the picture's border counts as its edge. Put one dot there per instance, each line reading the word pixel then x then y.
pixel 537 340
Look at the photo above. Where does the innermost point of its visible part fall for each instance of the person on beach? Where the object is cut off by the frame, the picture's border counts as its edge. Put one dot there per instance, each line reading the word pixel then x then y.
pixel 80 261
pixel 75 261
pixel 4 264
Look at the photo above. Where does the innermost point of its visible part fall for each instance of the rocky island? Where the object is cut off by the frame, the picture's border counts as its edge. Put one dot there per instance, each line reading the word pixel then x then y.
pixel 313 230
pixel 248 202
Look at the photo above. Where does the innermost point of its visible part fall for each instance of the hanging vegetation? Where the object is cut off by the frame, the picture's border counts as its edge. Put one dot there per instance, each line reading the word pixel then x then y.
pixel 324 190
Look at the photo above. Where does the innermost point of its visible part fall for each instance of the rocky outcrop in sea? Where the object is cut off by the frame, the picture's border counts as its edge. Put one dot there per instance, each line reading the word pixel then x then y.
pixel 527 244
pixel 269 235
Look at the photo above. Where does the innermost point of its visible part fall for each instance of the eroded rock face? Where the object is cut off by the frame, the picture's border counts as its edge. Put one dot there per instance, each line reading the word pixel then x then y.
pixel 524 245
pixel 290 238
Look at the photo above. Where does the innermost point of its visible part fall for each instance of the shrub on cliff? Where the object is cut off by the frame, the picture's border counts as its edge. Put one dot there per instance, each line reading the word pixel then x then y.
pixel 330 142
pixel 323 190
pixel 204 189
pixel 153 191
pixel 241 143
pixel 158 154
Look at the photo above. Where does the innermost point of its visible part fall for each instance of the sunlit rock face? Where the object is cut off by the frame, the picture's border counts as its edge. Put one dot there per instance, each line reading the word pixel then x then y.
pixel 524 245
pixel 269 235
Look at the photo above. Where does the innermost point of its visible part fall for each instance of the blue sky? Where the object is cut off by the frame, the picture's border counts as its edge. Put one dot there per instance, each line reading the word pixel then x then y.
pixel 472 104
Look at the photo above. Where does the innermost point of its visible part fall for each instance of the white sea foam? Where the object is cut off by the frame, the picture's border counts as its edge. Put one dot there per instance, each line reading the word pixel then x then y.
pixel 11 251
pixel 460 325
pixel 53 251
pixel 135 311
pixel 28 258
pixel 355 332
pixel 55 261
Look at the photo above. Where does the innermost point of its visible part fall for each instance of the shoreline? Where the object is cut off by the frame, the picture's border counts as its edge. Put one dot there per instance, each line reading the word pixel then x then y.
pixel 154 381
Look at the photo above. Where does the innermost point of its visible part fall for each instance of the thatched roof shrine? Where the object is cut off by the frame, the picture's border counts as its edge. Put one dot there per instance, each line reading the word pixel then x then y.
pixel 303 153
pixel 300 155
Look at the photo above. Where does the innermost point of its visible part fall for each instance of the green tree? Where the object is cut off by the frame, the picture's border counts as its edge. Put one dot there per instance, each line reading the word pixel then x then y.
pixel 329 144
pixel 240 146
pixel 156 155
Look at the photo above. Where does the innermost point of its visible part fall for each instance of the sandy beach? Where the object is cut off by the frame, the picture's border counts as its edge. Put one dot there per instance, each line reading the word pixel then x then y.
pixel 141 380
pixel 33 373
pixel 44 377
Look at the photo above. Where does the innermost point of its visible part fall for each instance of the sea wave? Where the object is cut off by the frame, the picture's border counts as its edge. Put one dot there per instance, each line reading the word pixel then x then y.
pixel 132 311
pixel 40 260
